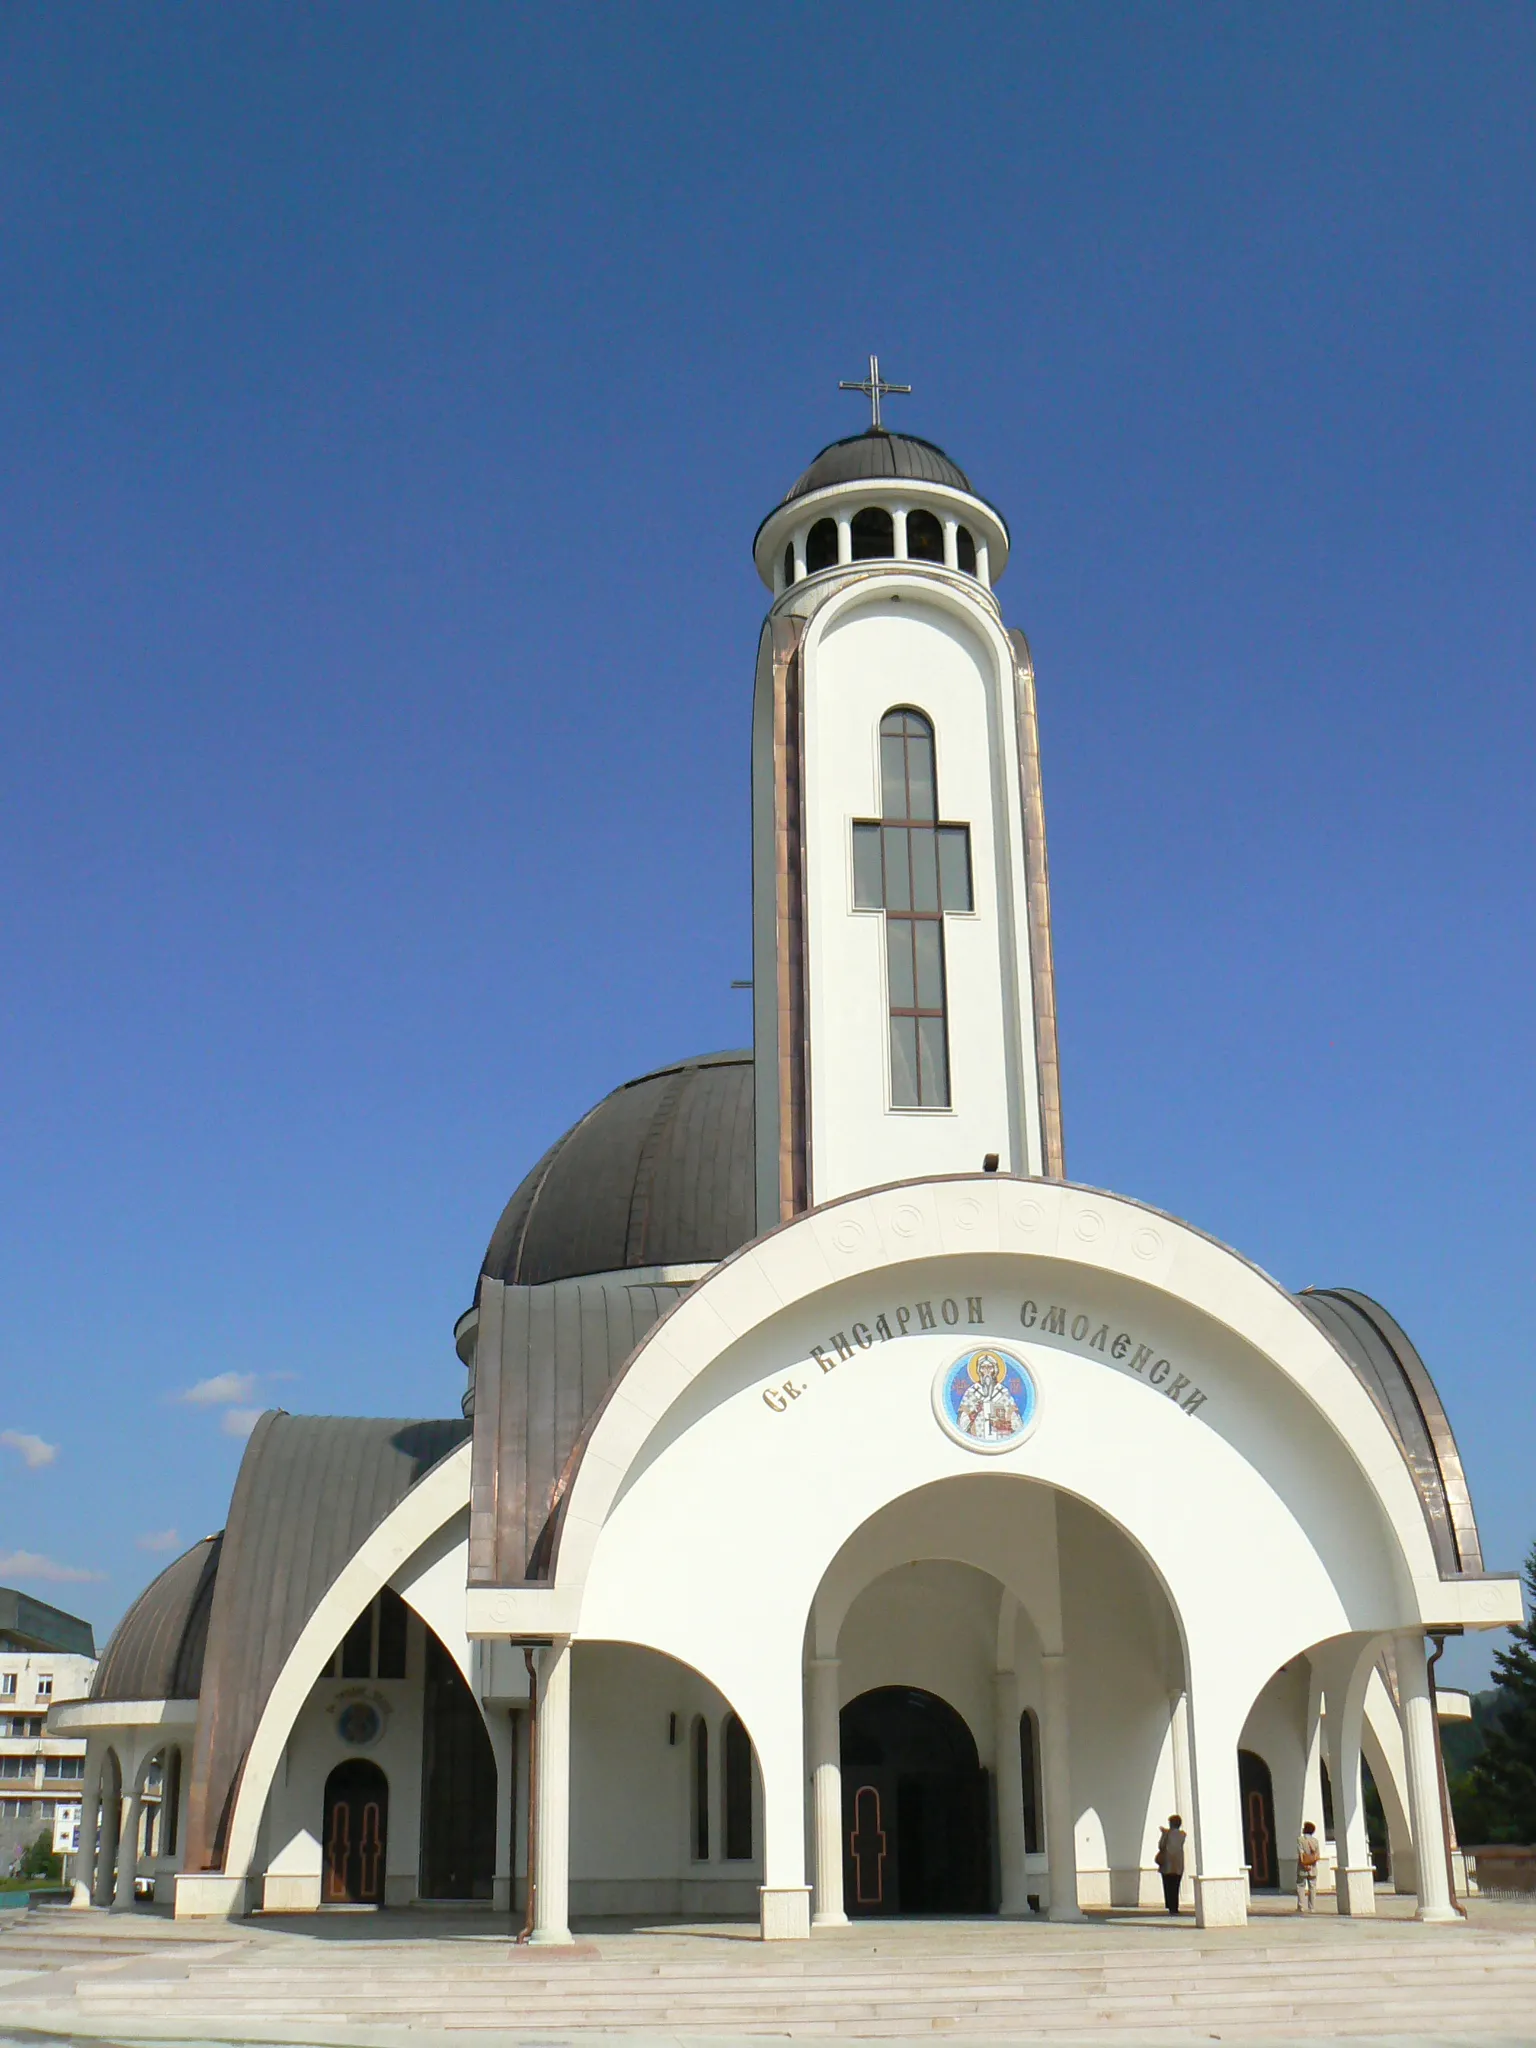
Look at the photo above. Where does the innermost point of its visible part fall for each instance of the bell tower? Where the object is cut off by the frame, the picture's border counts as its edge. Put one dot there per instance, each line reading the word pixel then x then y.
pixel 904 1014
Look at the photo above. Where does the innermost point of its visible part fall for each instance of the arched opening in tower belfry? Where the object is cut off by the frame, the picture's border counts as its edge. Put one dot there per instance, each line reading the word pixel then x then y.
pixel 965 551
pixel 874 534
pixel 925 537
pixel 821 546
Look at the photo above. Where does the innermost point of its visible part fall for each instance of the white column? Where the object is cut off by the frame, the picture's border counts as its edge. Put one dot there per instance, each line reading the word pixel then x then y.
pixel 83 1891
pixel 1346 1669
pixel 845 536
pixel 552 1796
pixel 779 1733
pixel 1221 1883
pixel 1056 1769
pixel 899 529
pixel 799 553
pixel 827 1793
pixel 1183 1797
pixel 128 1847
pixel 1010 1793
pixel 1423 1779
pixel 951 543
pixel 983 565
pixel 111 1828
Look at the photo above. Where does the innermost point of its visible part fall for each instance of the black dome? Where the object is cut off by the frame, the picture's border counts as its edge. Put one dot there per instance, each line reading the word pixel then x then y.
pixel 661 1173
pixel 874 456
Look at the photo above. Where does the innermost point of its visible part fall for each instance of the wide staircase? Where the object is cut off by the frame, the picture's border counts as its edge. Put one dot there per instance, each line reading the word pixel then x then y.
pixel 98 1974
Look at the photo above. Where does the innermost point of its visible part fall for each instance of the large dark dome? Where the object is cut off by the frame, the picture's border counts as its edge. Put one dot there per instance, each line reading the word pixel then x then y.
pixel 875 456
pixel 660 1173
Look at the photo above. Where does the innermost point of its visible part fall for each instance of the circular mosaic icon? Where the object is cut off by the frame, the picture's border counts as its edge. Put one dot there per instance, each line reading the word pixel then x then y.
pixel 986 1400
pixel 360 1724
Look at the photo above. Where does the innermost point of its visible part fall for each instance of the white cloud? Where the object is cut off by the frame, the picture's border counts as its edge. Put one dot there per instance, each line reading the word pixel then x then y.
pixel 27 1564
pixel 221 1391
pixel 32 1448
pixel 159 1539
pixel 240 1421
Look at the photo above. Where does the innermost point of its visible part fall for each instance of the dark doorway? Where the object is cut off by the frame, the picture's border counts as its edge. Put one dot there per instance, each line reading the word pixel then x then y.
pixel 916 1809
pixel 1258 1796
pixel 458 1786
pixel 356 1834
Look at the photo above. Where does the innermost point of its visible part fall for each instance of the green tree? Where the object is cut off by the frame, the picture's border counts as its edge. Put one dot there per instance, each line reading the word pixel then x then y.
pixel 38 1859
pixel 1503 1778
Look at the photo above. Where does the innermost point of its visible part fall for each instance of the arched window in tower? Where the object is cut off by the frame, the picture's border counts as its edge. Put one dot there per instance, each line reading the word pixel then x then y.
pixel 874 535
pixel 736 1800
pixel 925 538
pixel 821 546
pixel 965 551
pixel 698 1803
pixel 917 871
pixel 789 563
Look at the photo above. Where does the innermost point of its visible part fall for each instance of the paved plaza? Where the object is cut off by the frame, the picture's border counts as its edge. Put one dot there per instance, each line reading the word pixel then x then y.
pixel 372 1980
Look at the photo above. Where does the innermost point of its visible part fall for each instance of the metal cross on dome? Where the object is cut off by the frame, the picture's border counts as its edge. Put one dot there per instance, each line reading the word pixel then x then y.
pixel 874 390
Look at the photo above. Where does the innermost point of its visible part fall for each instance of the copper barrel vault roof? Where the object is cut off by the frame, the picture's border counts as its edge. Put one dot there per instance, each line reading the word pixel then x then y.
pixel 1397 1379
pixel 156 1651
pixel 660 1173
pixel 311 1490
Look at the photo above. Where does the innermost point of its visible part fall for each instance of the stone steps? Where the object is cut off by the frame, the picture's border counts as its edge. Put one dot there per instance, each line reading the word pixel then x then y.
pixel 1003 1983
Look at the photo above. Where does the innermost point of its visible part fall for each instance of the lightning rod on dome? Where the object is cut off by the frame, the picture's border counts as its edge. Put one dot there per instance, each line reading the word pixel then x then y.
pixel 874 391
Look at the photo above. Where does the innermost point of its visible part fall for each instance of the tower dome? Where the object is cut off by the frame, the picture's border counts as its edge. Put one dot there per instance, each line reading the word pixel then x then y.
pixel 881 497
pixel 874 456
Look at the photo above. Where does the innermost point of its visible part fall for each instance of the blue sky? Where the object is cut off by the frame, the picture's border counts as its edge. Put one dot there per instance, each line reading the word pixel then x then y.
pixel 389 396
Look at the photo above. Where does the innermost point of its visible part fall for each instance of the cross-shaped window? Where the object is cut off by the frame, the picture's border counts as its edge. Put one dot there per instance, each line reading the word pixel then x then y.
pixel 915 870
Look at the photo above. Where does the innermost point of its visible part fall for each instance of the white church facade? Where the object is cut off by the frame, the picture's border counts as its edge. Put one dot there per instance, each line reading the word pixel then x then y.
pixel 849 1514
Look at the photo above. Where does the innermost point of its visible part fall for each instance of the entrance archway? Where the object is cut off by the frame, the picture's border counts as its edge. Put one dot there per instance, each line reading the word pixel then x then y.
pixel 1258 1797
pixel 916 1813
pixel 356 1834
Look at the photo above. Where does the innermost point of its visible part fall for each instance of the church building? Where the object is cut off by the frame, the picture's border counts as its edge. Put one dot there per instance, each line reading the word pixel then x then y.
pixel 848 1513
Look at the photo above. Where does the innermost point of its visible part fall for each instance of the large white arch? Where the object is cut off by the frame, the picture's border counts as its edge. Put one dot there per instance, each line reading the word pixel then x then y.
pixel 776 1410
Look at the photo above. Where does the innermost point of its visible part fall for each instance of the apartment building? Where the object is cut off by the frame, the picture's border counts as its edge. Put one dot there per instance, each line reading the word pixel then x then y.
pixel 45 1656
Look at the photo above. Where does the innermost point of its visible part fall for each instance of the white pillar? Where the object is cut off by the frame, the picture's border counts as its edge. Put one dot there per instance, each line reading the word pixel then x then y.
pixel 1221 1882
pixel 83 1889
pixel 983 565
pixel 827 1793
pixel 1183 1796
pixel 111 1828
pixel 951 543
pixel 899 529
pixel 1056 1768
pixel 1423 1779
pixel 552 1817
pixel 1010 1793
pixel 1344 1686
pixel 799 553
pixel 845 536
pixel 128 1847
pixel 778 1722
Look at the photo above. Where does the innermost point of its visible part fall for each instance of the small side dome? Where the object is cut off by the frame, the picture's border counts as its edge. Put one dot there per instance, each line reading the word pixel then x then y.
pixel 661 1173
pixel 156 1651
pixel 877 456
